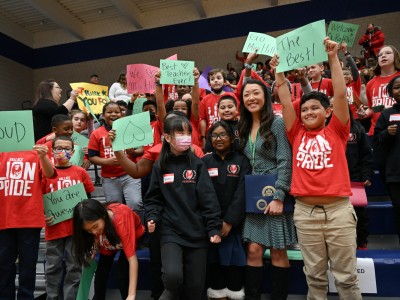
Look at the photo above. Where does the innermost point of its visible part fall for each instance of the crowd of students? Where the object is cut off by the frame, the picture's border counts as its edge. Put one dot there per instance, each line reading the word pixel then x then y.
pixel 304 127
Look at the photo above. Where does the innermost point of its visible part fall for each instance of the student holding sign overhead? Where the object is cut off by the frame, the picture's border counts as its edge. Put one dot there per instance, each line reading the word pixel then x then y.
pixel 118 185
pixel 59 236
pixel 324 217
pixel 21 218
pixel 48 96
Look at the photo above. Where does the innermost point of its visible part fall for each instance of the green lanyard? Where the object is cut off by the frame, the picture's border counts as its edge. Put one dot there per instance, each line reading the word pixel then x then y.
pixel 253 148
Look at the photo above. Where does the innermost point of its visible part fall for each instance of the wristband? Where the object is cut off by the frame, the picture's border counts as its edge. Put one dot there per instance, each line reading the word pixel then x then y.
pixel 247 66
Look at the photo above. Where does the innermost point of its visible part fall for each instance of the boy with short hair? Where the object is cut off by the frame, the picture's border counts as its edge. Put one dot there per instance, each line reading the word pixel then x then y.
pixel 208 113
pixel 319 83
pixel 324 217
pixel 59 236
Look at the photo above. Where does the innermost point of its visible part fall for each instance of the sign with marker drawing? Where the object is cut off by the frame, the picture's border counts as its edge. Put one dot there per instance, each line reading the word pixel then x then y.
pixel 302 47
pixel 140 78
pixel 60 204
pixel 93 95
pixel 263 43
pixel 366 277
pixel 178 72
pixel 342 32
pixel 79 139
pixel 132 132
pixel 16 131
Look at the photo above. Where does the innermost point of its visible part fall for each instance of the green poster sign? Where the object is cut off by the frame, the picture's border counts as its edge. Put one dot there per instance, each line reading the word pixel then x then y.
pixel 138 105
pixel 60 204
pixel 133 131
pixel 302 47
pixel 176 72
pixel 77 158
pixel 79 139
pixel 263 43
pixel 16 131
pixel 342 32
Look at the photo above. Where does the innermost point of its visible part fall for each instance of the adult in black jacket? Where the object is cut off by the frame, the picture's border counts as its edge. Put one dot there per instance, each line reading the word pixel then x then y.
pixel 48 96
pixel 387 146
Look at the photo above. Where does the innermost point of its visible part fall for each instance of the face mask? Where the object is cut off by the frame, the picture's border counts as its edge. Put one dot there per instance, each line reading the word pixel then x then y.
pixel 183 142
pixel 62 156
pixel 152 116
pixel 217 91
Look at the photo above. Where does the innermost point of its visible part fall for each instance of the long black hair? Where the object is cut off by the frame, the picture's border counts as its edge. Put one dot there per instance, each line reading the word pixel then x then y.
pixel 83 241
pixel 171 124
pixel 266 118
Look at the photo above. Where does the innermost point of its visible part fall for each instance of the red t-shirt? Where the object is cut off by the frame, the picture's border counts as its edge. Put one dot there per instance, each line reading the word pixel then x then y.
pixel 277 107
pixel 319 160
pixel 377 95
pixel 99 142
pixel 353 90
pixel 62 178
pixel 297 92
pixel 128 227
pixel 154 152
pixel 157 130
pixel 43 139
pixel 21 198
pixel 323 86
pixel 209 108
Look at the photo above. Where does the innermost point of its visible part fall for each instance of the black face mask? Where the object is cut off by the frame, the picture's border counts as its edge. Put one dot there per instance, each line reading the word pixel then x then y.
pixel 153 116
pixel 218 91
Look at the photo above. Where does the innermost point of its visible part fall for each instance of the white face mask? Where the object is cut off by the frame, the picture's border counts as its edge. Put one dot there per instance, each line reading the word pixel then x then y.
pixel 182 142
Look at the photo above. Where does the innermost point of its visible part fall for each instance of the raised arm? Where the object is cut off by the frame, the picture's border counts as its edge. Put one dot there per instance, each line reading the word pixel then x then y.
pixel 161 112
pixel 340 105
pixel 47 166
pixel 353 67
pixel 288 112
pixel 195 94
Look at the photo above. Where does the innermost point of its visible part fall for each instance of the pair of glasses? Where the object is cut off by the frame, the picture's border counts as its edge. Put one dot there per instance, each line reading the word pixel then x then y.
pixel 60 149
pixel 222 136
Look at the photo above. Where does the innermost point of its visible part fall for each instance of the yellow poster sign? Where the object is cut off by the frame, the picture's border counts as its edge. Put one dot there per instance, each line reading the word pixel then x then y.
pixel 93 95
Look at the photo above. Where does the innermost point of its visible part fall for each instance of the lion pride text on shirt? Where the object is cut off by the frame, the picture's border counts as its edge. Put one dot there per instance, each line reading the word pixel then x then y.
pixel 314 153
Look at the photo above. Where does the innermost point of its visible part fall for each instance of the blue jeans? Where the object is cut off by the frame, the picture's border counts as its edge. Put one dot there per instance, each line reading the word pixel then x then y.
pixel 24 244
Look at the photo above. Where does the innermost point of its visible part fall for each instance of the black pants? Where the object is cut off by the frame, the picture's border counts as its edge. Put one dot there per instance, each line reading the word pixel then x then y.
pixel 362 226
pixel 184 269
pixel 157 286
pixel 102 272
pixel 394 193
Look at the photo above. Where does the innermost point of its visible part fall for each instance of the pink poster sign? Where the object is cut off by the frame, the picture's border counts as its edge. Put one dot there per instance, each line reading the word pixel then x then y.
pixel 140 77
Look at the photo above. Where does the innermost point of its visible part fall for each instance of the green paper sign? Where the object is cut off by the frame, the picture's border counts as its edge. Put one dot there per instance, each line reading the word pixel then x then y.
pixel 16 131
pixel 176 72
pixel 133 131
pixel 60 204
pixel 86 281
pixel 77 158
pixel 264 43
pixel 79 139
pixel 342 32
pixel 138 105
pixel 302 47
pixel 90 110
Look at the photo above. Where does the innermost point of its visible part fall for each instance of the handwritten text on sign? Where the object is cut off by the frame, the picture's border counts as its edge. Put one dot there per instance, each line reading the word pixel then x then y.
pixel 16 131
pixel 133 131
pixel 263 43
pixel 60 204
pixel 140 77
pixel 177 72
pixel 302 47
pixel 93 95
pixel 342 32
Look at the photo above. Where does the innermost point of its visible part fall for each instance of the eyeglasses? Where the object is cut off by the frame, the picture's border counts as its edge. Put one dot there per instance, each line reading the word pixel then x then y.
pixel 222 136
pixel 61 149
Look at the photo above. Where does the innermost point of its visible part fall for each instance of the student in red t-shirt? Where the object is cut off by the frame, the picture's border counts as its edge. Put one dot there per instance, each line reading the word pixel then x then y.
pixel 110 227
pixel 387 68
pixel 324 217
pixel 59 236
pixel 209 104
pixel 118 186
pixel 319 83
pixel 21 218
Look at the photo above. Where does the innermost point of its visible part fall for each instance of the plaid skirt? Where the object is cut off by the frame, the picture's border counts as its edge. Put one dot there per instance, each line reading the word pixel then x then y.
pixel 270 231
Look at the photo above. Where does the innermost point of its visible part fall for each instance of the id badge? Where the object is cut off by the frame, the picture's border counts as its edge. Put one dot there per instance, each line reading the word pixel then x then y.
pixel 168 178
pixel 213 172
